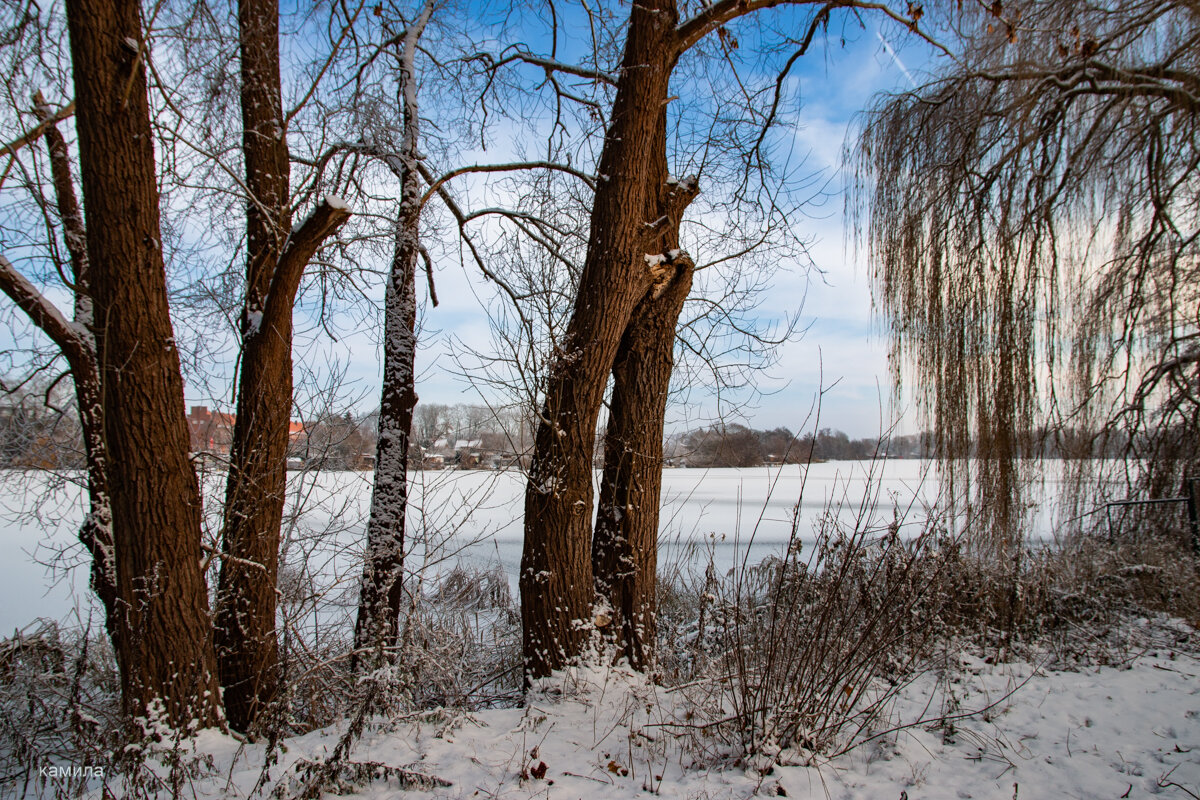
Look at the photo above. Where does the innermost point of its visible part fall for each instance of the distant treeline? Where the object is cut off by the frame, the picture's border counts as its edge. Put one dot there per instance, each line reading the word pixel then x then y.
pixel 40 429
pixel 734 445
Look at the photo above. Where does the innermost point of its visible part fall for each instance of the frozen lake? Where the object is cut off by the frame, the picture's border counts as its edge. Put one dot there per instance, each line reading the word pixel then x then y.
pixel 472 517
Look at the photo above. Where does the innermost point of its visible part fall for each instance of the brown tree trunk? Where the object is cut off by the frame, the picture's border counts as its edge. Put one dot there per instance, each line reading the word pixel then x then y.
pixel 556 569
pixel 163 635
pixel 246 598
pixel 247 647
pixel 382 587
pixel 625 541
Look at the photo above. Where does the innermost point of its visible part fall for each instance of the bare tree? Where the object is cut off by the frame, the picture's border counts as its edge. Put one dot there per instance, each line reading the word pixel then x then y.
pixel 77 343
pixel 623 265
pixel 729 445
pixel 1031 223
pixel 275 264
pixel 163 636
pixel 430 422
pixel 383 567
pixel 276 257
pixel 382 592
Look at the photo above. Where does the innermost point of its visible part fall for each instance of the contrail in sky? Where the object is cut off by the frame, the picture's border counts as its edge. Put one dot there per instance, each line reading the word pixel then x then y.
pixel 887 48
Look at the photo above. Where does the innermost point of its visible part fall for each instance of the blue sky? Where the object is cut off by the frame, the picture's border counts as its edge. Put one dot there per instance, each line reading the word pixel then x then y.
pixel 843 350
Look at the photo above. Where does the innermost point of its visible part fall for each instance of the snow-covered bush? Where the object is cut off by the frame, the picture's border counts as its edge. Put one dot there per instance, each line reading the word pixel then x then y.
pixel 806 650
pixel 800 656
pixel 59 707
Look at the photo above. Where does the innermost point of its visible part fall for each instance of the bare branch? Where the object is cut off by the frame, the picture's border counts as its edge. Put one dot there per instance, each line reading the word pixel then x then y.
pixel 69 211
pixel 436 183
pixel 74 340
pixel 429 275
pixel 461 219
pixel 301 245
pixel 713 16
pixel 548 64
pixel 333 52
pixel 32 135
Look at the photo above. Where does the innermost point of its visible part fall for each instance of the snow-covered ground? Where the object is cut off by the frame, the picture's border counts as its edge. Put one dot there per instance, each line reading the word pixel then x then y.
pixel 469 516
pixel 1126 730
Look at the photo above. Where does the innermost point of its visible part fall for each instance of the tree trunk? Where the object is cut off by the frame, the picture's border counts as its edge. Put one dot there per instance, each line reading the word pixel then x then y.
pixel 247 647
pixel 163 636
pixel 245 620
pixel 556 569
pixel 625 542
pixel 383 568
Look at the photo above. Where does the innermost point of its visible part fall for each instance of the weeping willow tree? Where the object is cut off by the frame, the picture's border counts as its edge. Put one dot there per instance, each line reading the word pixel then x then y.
pixel 1031 217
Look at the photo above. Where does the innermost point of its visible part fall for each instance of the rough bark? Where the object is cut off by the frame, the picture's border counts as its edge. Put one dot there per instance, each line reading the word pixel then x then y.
pixel 625 541
pixel 245 620
pixel 556 570
pixel 381 592
pixel 163 635
pixel 247 648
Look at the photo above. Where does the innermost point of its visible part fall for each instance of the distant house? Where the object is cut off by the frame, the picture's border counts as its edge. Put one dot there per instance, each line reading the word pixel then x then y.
pixel 462 453
pixel 212 431
pixel 506 459
pixel 467 453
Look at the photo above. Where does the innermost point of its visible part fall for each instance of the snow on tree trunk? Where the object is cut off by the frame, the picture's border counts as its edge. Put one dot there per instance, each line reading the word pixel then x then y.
pixel 625 541
pixel 247 646
pixel 382 586
pixel 96 531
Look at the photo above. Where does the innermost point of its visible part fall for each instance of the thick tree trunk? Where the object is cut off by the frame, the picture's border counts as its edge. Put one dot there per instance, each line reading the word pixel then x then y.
pixel 247 647
pixel 245 620
pixel 556 569
pixel 163 633
pixel 382 587
pixel 625 541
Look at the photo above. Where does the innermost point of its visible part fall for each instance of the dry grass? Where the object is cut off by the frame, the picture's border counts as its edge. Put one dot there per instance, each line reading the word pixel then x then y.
pixel 801 655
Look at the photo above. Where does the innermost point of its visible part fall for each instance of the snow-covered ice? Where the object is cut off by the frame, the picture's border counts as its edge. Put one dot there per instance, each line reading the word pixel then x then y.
pixel 473 516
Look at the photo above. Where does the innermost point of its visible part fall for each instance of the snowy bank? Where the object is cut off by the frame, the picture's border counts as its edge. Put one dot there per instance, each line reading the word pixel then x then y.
pixel 969 729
